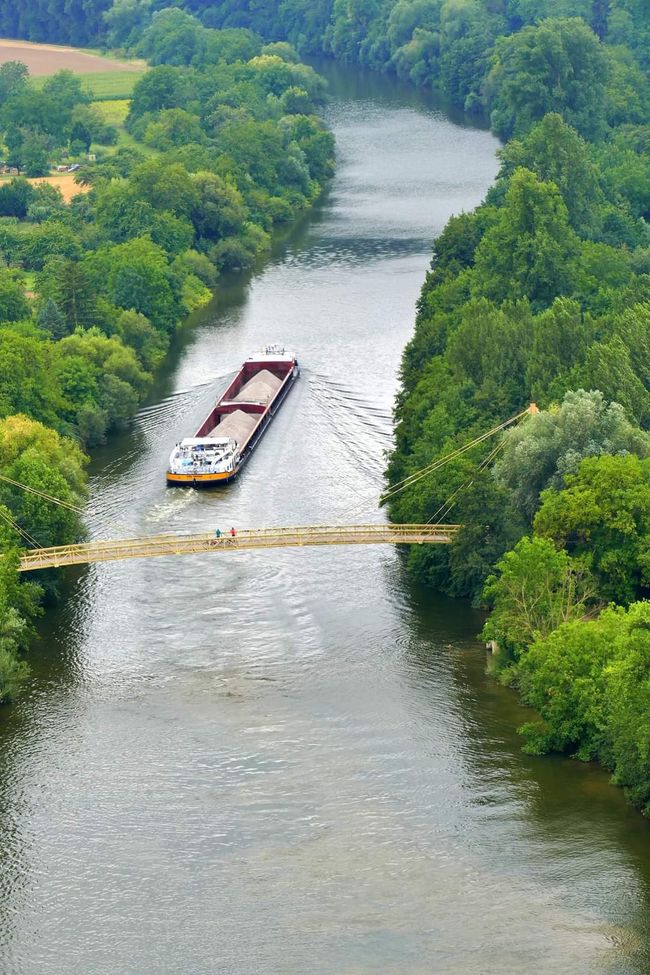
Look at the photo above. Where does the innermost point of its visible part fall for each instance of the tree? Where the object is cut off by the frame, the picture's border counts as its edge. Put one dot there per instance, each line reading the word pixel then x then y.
pixel 531 250
pixel 80 136
pixel 46 240
pixel 489 347
pixel 26 381
pixel 13 303
pixel 316 143
pixel 612 367
pixel 535 589
pixel 548 446
pixel 64 90
pixel 136 275
pixel 628 705
pixel 32 454
pixel 162 87
pixel 137 332
pixel 46 203
pixel 173 37
pixel 68 284
pixel 234 44
pixel 13 79
pixel 557 154
pixel 15 198
pixel 603 514
pixel 52 320
pixel 34 157
pixel 125 22
pixel 165 186
pixel 563 676
pixel 173 127
pixel 18 605
pixel 349 27
pixel 220 210
pixel 560 337
pixel 556 66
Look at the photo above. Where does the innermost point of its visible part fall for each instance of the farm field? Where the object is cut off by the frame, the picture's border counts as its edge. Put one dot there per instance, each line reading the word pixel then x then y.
pixel 45 59
pixel 63 181
pixel 113 111
pixel 104 85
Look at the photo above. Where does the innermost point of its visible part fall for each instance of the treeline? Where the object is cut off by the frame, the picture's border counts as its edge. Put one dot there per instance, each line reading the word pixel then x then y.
pixel 219 153
pixel 449 45
pixel 77 22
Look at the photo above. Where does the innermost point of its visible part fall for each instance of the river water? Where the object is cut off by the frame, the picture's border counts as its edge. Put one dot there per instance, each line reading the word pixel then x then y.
pixel 293 762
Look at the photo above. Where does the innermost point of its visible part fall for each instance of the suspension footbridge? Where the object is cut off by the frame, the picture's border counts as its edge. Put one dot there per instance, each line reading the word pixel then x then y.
pixel 244 540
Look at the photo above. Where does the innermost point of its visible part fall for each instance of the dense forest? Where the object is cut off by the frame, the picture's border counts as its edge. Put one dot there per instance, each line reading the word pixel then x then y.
pixel 449 45
pixel 542 293
pixel 214 156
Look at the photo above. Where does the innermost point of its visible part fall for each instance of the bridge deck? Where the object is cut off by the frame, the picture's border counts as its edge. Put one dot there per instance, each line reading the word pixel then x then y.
pixel 254 538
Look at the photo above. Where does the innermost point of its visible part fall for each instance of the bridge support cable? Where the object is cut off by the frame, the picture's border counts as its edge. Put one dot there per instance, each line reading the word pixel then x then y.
pixel 31 542
pixel 423 472
pixel 42 494
pixel 416 476
pixel 450 502
pixel 118 526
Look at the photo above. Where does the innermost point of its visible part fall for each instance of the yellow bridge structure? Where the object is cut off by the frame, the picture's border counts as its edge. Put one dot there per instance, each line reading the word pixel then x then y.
pixel 243 541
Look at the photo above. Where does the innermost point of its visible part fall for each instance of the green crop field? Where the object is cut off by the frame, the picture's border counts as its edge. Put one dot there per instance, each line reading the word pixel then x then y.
pixel 114 111
pixel 105 85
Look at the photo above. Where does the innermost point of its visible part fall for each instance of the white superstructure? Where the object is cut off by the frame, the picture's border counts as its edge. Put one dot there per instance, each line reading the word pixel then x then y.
pixel 204 455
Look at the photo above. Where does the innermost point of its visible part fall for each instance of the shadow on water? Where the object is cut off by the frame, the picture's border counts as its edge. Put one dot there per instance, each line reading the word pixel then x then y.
pixel 347 81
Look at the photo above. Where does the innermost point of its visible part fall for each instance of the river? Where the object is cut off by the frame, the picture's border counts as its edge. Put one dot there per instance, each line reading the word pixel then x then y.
pixel 294 762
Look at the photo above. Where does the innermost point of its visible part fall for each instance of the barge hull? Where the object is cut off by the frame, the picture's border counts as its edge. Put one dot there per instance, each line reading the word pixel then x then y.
pixel 283 369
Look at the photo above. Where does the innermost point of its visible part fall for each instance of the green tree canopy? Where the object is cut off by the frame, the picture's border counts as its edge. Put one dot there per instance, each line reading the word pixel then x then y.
pixel 548 446
pixel 559 66
pixel 535 589
pixel 603 516
pixel 557 154
pixel 137 275
pixel 531 250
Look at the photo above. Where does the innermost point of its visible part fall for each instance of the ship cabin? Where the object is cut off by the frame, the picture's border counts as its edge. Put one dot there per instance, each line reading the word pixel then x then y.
pixel 203 455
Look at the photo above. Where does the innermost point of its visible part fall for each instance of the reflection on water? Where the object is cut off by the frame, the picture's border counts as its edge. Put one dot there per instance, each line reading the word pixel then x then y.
pixel 291 761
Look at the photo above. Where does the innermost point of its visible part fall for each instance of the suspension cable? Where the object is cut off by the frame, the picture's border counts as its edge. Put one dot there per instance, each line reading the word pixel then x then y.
pixel 21 531
pixel 441 461
pixel 42 494
pixel 447 505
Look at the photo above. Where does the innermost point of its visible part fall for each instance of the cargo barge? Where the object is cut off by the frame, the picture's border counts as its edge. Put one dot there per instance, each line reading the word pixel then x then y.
pixel 235 425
